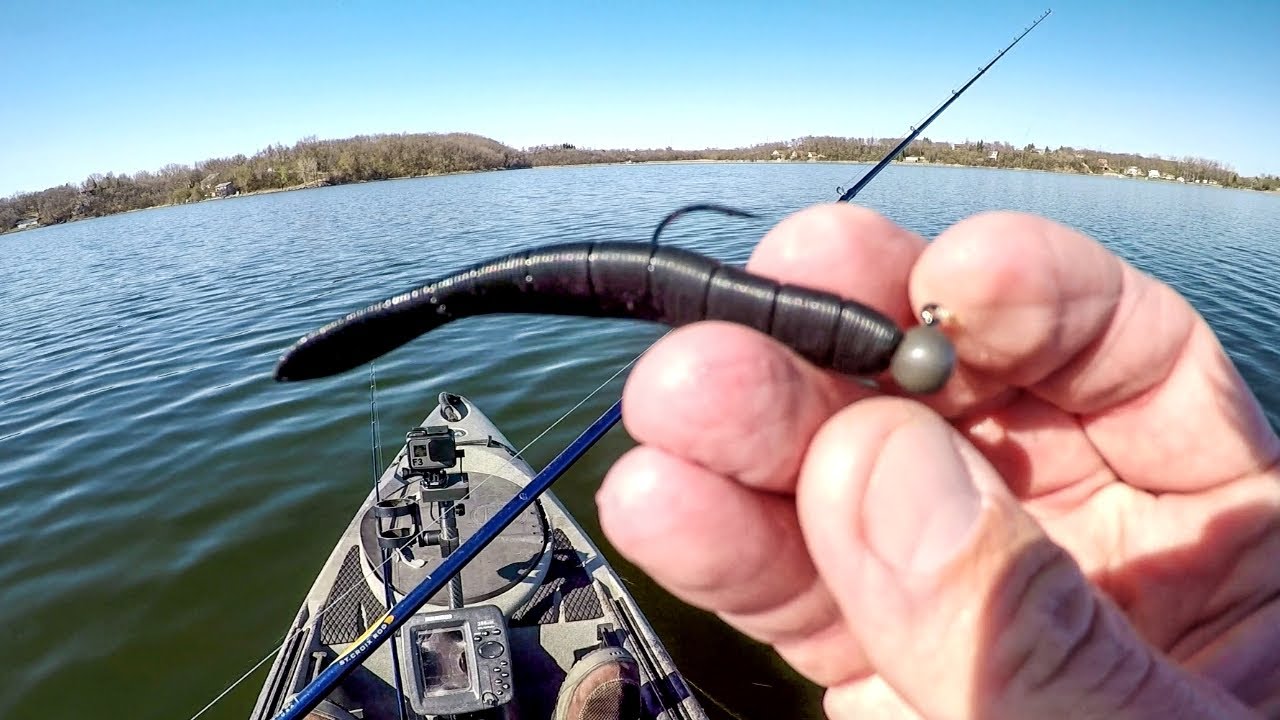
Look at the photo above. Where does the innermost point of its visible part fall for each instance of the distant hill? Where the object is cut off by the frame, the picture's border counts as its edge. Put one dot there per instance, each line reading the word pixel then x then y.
pixel 313 163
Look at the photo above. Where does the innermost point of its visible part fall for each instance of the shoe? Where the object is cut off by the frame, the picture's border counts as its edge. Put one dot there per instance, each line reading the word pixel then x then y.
pixel 603 685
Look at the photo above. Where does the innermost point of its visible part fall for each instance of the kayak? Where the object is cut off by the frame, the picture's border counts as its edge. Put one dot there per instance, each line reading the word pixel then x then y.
pixel 534 615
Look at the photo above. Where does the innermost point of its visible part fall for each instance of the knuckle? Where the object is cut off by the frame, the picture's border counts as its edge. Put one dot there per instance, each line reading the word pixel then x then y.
pixel 1056 638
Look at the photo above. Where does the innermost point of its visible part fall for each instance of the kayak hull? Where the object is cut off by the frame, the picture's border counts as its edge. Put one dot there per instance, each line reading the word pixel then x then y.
pixel 557 592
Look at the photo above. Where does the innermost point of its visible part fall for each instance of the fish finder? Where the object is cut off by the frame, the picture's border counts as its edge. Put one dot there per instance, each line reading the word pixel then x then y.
pixel 458 664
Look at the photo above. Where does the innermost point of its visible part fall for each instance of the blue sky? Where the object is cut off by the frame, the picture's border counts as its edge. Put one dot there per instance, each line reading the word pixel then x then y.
pixel 119 86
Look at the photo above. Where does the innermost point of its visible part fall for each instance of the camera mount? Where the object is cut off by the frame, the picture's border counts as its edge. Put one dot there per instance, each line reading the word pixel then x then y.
pixel 431 452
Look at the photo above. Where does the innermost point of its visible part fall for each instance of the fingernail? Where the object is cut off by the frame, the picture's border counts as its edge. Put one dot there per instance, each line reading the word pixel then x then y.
pixel 921 504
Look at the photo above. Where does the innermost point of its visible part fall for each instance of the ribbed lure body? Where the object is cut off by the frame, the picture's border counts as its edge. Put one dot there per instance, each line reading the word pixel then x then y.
pixel 638 281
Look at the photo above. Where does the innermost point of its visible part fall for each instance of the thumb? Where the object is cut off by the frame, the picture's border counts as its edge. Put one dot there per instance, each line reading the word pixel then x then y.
pixel 961 603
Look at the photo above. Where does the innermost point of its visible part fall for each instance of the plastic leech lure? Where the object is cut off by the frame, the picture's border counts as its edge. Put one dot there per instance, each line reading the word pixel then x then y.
pixel 638 281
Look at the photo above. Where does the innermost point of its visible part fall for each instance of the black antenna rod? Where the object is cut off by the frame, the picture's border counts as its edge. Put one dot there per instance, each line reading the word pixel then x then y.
pixel 915 131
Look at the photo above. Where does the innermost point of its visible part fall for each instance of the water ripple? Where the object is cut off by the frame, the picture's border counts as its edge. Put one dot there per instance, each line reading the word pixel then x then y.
pixel 167 503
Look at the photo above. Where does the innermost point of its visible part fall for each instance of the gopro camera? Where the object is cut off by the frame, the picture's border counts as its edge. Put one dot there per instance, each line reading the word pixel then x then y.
pixel 431 448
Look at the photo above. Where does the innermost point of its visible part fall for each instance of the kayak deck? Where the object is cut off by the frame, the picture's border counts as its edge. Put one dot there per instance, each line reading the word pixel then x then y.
pixel 555 591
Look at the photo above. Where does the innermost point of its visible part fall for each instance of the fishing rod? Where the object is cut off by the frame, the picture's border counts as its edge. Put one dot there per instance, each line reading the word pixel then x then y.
pixel 375 449
pixel 847 195
pixel 868 336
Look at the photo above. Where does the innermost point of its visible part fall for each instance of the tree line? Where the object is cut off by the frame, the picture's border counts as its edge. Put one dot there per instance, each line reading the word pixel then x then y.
pixel 1087 161
pixel 309 163
pixel 312 163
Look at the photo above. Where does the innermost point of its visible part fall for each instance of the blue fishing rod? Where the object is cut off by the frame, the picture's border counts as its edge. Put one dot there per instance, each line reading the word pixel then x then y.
pixel 373 638
pixel 847 195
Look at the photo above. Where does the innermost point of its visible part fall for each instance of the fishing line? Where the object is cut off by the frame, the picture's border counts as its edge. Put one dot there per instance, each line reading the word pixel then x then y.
pixel 724 708
pixel 845 195
pixel 245 676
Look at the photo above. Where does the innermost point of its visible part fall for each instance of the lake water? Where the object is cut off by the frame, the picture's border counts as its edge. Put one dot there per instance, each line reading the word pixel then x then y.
pixel 166 504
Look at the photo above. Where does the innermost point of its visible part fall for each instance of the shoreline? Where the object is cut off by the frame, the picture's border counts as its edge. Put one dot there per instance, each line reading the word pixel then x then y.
pixel 693 161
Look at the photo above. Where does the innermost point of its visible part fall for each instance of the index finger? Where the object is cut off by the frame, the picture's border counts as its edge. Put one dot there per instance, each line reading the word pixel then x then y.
pixel 718 393
pixel 1041 307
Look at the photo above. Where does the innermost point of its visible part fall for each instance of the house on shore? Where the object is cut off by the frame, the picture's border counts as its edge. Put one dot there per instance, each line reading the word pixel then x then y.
pixel 226 189
pixel 1153 174
pixel 27 223
pixel 1132 171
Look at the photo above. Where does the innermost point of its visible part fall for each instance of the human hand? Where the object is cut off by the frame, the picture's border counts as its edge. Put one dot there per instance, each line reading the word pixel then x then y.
pixel 1084 523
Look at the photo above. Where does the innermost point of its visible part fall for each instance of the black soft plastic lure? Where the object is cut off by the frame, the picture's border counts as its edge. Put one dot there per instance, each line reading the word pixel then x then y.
pixel 640 281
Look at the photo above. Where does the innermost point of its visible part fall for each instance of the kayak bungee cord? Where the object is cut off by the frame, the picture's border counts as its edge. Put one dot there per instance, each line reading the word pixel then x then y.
pixel 624 280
